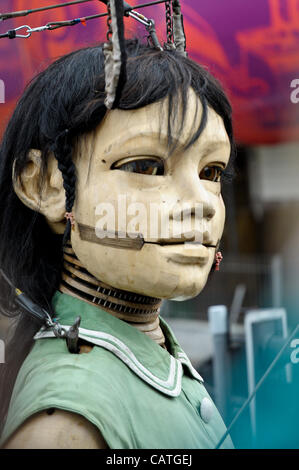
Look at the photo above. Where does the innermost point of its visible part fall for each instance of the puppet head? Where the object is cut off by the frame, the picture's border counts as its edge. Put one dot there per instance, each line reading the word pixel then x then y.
pixel 166 145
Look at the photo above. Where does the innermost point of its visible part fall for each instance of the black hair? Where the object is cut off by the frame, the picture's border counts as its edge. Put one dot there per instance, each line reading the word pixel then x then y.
pixel 61 104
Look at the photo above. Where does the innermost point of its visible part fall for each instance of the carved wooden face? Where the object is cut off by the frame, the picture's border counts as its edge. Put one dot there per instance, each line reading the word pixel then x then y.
pixel 128 184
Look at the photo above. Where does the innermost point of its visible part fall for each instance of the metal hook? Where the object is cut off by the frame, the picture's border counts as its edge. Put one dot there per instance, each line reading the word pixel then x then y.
pixel 152 31
pixel 37 30
pixel 72 337
pixel 23 35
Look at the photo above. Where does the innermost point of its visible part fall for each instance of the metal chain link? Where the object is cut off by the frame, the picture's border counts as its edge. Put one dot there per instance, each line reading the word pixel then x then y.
pixel 109 32
pixel 169 22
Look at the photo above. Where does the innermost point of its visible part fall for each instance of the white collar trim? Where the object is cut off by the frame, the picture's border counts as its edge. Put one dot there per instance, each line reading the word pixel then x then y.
pixel 171 387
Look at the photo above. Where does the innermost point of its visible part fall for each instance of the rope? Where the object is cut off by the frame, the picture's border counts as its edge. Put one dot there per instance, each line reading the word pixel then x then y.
pixel 168 22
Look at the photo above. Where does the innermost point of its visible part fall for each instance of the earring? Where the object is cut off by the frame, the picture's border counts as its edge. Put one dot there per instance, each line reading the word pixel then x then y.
pixel 70 216
pixel 218 259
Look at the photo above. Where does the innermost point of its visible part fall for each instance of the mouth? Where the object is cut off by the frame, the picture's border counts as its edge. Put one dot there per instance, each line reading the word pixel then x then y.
pixel 185 242
pixel 137 241
pixel 186 253
pixel 197 239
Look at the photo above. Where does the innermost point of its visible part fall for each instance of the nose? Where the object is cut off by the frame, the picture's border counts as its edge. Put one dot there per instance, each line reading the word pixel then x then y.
pixel 205 209
pixel 192 195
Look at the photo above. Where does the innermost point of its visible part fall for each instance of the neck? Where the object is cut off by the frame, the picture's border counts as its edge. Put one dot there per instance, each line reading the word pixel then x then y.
pixel 140 311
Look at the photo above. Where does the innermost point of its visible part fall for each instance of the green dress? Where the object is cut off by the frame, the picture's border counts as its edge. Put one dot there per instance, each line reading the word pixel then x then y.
pixel 137 394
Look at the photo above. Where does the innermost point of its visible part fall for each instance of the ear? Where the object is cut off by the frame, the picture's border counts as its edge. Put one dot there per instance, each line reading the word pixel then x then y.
pixel 46 194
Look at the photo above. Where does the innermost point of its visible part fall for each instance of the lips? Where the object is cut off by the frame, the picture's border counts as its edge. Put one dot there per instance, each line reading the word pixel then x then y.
pixel 186 253
pixel 181 242
pixel 197 239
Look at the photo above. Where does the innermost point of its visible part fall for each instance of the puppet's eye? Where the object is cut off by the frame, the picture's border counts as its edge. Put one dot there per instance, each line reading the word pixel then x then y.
pixel 144 165
pixel 211 173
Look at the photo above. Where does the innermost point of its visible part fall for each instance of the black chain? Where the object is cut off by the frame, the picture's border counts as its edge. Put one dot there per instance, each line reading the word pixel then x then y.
pixel 169 22
pixel 109 32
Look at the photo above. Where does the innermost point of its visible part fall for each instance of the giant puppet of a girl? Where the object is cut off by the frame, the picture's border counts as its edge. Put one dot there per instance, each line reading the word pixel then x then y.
pixel 103 137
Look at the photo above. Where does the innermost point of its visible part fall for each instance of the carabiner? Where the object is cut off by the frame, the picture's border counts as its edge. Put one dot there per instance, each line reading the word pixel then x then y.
pixel 58 331
pixel 38 30
pixel 23 35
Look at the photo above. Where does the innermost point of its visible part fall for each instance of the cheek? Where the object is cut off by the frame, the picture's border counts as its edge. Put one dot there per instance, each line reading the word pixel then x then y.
pixel 118 201
pixel 218 220
pixel 221 209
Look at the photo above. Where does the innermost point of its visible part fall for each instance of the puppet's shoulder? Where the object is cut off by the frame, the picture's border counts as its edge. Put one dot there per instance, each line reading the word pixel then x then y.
pixel 56 429
pixel 76 386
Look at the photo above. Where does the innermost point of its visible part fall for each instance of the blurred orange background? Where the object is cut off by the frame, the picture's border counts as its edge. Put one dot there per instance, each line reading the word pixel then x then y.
pixel 252 47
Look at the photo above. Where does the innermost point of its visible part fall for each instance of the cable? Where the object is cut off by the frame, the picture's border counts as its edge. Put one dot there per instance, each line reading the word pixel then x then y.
pixel 273 363
pixel 148 4
pixel 16 14
pixel 61 24
pixel 12 33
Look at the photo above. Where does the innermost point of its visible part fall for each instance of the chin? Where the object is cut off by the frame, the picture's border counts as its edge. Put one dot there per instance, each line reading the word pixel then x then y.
pixel 188 291
pixel 182 298
pixel 186 296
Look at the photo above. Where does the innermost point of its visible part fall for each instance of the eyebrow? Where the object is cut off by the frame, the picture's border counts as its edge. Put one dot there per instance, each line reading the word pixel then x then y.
pixel 162 138
pixel 212 147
